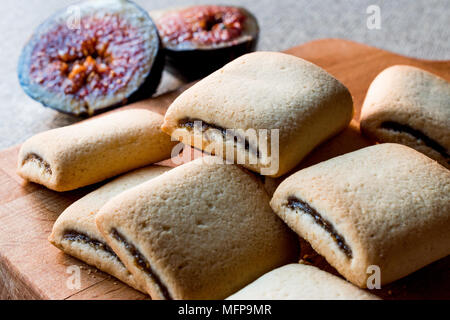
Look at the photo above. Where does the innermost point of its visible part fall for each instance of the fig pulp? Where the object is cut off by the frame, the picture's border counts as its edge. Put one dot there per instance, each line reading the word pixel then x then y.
pixel 92 56
pixel 198 40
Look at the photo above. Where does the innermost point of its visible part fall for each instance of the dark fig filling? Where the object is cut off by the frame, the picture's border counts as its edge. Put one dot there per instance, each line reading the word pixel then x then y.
pixel 141 262
pixel 297 204
pixel 75 236
pixel 38 159
pixel 190 125
pixel 419 135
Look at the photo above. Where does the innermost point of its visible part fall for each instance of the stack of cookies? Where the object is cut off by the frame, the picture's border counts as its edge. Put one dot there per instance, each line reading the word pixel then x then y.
pixel 213 229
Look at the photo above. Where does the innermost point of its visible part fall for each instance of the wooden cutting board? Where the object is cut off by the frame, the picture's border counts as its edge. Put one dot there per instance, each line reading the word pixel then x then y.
pixel 31 268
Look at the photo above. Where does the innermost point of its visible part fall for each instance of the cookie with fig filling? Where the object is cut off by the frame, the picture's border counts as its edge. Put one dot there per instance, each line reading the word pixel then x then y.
pixel 78 155
pixel 386 205
pixel 201 231
pixel 264 110
pixel 410 106
pixel 300 282
pixel 75 232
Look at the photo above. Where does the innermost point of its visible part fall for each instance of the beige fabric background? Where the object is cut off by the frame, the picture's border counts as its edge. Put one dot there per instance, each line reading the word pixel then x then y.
pixel 419 28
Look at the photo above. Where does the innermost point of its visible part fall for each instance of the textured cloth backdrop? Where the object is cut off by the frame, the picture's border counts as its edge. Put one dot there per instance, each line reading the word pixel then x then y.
pixel 418 28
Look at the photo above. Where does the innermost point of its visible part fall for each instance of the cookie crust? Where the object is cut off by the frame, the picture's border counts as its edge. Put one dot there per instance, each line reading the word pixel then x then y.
pixel 200 231
pixel 300 282
pixel 390 203
pixel 76 233
pixel 262 90
pixel 71 157
pixel 410 106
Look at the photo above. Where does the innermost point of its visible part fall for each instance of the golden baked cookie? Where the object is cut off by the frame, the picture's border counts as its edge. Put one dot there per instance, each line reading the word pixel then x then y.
pixel 200 231
pixel 386 206
pixel 235 112
pixel 75 232
pixel 71 157
pixel 300 282
pixel 410 106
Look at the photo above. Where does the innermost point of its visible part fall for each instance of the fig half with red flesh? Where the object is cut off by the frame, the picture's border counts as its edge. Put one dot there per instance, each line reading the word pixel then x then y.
pixel 92 56
pixel 198 40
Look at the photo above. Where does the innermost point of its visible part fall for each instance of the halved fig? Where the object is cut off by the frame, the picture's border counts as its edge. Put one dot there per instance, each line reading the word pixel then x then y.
pixel 92 56
pixel 198 40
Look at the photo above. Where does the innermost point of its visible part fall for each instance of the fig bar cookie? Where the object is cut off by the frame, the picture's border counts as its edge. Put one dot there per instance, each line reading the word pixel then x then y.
pixel 76 234
pixel 410 106
pixel 236 111
pixel 386 205
pixel 201 231
pixel 300 282
pixel 81 154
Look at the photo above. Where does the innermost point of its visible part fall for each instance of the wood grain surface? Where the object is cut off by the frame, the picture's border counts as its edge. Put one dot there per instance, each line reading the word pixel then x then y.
pixel 31 268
